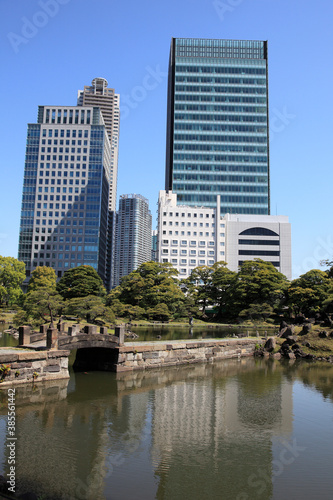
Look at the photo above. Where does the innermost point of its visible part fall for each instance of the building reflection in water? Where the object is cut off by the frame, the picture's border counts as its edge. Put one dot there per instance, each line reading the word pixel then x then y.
pixel 204 430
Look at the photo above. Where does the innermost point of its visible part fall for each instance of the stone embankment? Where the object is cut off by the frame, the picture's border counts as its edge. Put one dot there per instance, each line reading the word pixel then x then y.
pixel 140 356
pixel 22 366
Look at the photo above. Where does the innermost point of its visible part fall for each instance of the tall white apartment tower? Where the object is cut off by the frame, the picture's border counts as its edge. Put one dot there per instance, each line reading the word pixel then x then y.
pixel 99 95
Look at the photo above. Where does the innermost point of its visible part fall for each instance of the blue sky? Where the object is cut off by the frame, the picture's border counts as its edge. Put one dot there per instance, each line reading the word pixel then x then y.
pixel 52 48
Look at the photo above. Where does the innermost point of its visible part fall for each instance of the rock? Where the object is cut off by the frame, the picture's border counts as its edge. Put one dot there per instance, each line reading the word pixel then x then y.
pixel 276 355
pixel 283 325
pixel 287 332
pixel 323 334
pixel 295 346
pixel 300 318
pixel 306 329
pixel 285 347
pixel 307 344
pixel 270 344
pixel 291 340
pixel 290 355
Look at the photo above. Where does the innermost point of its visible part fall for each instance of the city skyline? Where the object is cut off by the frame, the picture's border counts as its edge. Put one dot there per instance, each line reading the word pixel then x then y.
pixel 39 61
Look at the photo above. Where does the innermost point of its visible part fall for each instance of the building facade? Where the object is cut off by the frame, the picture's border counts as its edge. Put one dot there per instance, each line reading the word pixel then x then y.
pixel 217 124
pixel 133 235
pixel 190 236
pixel 99 95
pixel 65 201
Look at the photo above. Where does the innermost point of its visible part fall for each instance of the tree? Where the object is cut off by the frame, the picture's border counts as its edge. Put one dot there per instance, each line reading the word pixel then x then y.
pixel 89 307
pixel 159 313
pixel 151 284
pixel 258 282
pixel 257 311
pixel 199 286
pixel 80 281
pixel 12 275
pixel 43 304
pixel 221 288
pixel 308 294
pixel 42 276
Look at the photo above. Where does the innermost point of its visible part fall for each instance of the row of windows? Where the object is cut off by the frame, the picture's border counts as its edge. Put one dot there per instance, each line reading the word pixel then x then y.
pixel 221 90
pixel 72 115
pixel 259 242
pixel 195 224
pixel 61 133
pixel 218 167
pixel 219 178
pixel 219 188
pixel 189 233
pixel 259 252
pixel 221 158
pixel 202 253
pixel 225 138
pixel 223 147
pixel 68 222
pixel 260 129
pixel 64 264
pixel 189 214
pixel 220 70
pixel 218 108
pixel 192 243
pixel 61 149
pixel 59 182
pixel 217 79
pixel 191 262
pixel 60 174
pixel 219 98
pixel 67 142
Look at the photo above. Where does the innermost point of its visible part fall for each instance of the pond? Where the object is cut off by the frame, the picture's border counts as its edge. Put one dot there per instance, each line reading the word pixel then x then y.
pixel 238 429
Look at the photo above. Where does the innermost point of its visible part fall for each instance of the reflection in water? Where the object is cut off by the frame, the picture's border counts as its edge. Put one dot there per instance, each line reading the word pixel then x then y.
pixel 201 432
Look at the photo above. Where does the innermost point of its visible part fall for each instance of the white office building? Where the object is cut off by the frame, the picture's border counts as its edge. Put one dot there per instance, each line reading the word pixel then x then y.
pixel 189 237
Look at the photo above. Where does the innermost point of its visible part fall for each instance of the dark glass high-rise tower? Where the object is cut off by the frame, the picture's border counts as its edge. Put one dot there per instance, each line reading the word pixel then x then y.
pixel 217 124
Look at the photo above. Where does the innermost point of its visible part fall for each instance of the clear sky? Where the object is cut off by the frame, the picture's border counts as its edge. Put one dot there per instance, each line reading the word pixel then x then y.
pixel 52 48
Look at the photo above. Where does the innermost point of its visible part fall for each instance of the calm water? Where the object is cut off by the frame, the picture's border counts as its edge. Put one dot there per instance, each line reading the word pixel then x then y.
pixel 238 430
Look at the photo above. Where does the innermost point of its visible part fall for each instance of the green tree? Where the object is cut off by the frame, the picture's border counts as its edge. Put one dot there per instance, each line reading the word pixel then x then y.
pixel 43 304
pixel 258 282
pixel 42 276
pixel 159 313
pixel 90 308
pixel 151 284
pixel 12 275
pixel 222 284
pixel 199 287
pixel 309 293
pixel 80 281
pixel 257 312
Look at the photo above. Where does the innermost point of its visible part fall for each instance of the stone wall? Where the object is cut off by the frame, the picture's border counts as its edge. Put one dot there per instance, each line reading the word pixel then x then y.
pixel 22 366
pixel 160 354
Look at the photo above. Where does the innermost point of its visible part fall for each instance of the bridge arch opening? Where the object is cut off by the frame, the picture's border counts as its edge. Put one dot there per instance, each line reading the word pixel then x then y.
pixel 96 359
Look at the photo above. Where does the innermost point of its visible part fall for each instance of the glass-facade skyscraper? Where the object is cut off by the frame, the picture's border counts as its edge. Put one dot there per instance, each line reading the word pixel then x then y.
pixel 65 202
pixel 217 124
pixel 133 235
